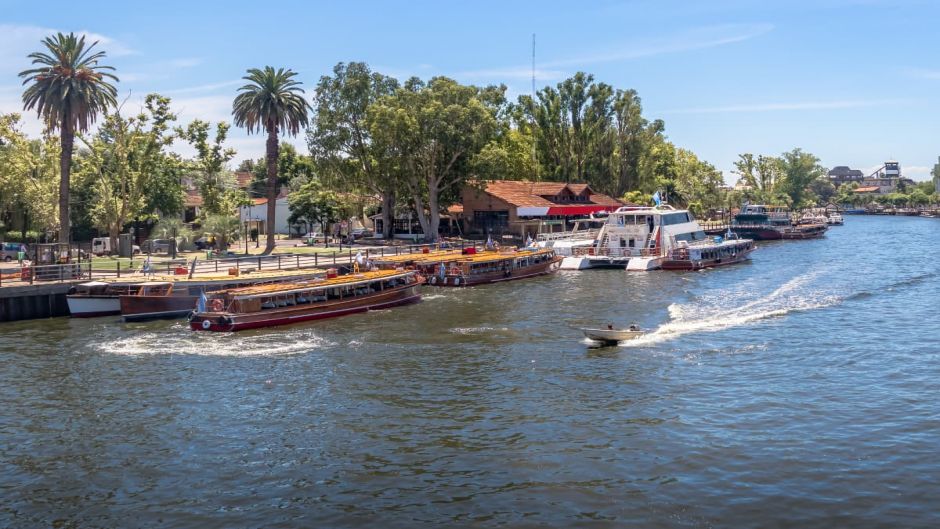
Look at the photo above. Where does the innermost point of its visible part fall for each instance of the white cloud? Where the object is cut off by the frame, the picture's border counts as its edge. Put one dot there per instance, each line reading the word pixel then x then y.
pixel 18 41
pixel 697 39
pixel 806 105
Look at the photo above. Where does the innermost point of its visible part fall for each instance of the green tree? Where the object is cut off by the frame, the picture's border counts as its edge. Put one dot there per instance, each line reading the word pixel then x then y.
pixel 293 170
pixel 313 204
pixel 436 130
pixel 224 228
pixel 121 159
pixel 273 102
pixel 29 175
pixel 798 170
pixel 341 143
pixel 68 89
pixel 210 166
pixel 823 189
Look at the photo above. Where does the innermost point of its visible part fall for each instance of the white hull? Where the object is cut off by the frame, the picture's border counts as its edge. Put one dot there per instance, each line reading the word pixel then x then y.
pixel 89 307
pixel 642 264
pixel 584 263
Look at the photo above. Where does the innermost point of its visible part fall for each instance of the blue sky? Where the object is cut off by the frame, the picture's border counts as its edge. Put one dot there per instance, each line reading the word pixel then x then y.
pixel 853 81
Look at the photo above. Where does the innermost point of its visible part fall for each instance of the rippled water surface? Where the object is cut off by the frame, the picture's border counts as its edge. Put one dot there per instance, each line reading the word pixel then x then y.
pixel 799 390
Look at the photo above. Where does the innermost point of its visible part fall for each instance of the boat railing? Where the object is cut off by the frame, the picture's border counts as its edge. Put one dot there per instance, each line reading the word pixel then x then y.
pixel 614 252
pixel 565 235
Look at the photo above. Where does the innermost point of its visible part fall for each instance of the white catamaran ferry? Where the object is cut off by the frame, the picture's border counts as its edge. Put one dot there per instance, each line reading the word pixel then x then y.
pixel 647 238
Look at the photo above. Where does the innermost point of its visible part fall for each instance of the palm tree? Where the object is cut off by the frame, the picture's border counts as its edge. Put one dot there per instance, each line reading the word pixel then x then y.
pixel 272 101
pixel 69 88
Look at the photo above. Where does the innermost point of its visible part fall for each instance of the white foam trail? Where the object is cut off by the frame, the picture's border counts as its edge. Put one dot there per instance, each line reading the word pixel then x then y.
pixel 186 342
pixel 711 317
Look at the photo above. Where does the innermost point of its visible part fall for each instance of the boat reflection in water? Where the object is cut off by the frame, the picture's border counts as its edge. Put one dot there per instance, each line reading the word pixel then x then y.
pixel 293 302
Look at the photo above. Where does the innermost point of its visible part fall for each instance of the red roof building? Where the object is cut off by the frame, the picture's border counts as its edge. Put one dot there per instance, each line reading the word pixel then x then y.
pixel 503 205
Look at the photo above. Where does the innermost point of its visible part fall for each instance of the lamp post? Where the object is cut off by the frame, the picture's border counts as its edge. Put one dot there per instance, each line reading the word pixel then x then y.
pixel 246 237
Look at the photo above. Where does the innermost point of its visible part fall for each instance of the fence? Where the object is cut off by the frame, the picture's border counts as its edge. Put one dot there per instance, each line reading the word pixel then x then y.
pixel 85 270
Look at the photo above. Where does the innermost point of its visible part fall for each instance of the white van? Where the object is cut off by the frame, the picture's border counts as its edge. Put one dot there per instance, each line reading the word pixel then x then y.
pixel 102 246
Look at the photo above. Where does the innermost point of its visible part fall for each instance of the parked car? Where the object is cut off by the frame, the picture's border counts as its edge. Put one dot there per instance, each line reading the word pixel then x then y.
pixel 204 243
pixel 312 237
pixel 359 233
pixel 10 251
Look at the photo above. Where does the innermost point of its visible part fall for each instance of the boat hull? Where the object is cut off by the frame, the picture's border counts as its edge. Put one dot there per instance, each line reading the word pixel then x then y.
pixel 805 231
pixel 758 233
pixel 93 306
pixel 142 308
pixel 223 322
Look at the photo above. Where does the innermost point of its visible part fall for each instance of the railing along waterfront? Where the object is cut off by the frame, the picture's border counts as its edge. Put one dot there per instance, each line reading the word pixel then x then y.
pixel 85 270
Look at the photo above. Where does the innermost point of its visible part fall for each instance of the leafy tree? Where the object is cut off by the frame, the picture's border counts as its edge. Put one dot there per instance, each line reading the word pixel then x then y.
pixel 272 101
pixel 798 169
pixel 340 141
pixel 68 89
pixel 762 174
pixel 224 228
pixel 172 227
pixel 293 169
pixel 823 189
pixel 314 205
pixel 436 130
pixel 122 158
pixel 29 175
pixel 210 167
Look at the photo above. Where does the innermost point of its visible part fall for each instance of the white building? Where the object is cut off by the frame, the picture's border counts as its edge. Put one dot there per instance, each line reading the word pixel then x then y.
pixel 256 215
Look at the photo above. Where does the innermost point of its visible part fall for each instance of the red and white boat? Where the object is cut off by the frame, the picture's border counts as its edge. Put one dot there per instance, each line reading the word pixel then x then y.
pixel 294 302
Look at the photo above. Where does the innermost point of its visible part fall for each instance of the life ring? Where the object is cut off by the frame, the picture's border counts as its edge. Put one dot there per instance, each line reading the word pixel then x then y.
pixel 206 324
pixel 454 271
pixel 215 305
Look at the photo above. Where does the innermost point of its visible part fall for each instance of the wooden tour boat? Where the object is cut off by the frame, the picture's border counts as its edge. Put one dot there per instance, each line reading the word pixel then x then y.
pixel 165 298
pixel 293 302
pixel 491 267
pixel 96 298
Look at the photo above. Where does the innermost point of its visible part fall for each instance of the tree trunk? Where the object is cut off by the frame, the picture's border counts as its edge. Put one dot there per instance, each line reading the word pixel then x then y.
pixel 434 214
pixel 114 231
pixel 67 138
pixel 388 214
pixel 271 154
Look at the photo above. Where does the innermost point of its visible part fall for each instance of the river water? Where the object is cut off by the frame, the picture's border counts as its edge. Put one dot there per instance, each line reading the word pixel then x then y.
pixel 797 390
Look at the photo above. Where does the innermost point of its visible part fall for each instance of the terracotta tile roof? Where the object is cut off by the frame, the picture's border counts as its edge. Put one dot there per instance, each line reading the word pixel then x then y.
pixel 456 209
pixel 243 179
pixel 533 194
pixel 869 189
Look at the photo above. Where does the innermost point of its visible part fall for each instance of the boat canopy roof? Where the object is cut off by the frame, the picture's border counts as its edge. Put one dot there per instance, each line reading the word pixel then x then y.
pixel 94 284
pixel 278 289
pixel 153 284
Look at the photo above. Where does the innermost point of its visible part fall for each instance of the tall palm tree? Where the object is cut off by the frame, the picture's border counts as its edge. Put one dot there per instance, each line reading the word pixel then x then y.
pixel 69 89
pixel 272 101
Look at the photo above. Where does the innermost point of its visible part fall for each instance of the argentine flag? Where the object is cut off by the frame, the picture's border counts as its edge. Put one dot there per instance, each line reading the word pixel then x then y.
pixel 201 306
pixel 657 199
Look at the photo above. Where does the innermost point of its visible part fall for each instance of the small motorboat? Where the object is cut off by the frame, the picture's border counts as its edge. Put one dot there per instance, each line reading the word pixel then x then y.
pixel 611 336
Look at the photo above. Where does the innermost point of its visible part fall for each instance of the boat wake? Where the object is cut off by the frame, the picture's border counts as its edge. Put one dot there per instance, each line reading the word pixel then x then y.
pixel 708 314
pixel 182 341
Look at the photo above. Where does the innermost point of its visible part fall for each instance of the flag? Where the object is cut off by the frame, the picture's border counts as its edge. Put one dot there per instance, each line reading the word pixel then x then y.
pixel 201 305
pixel 529 242
pixel 657 199
pixel 442 270
pixel 147 269
pixel 359 258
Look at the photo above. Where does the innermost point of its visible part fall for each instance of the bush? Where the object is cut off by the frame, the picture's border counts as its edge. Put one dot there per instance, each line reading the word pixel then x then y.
pixel 14 236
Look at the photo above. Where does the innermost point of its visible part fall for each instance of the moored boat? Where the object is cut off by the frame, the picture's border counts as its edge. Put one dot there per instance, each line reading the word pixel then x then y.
pixel 169 297
pixel 95 298
pixel 761 222
pixel 708 254
pixel 293 302
pixel 643 238
pixel 835 219
pixel 492 267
